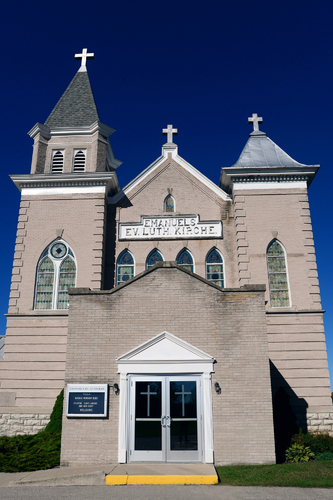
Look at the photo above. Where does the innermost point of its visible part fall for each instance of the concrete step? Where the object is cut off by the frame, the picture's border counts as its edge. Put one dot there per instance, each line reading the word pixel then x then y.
pixel 166 473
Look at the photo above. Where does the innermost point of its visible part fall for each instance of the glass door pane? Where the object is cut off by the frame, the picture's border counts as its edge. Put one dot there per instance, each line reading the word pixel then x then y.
pixel 183 414
pixel 148 411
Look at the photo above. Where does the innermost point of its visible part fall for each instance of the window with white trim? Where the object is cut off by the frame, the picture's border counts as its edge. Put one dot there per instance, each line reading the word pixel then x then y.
pixel 277 275
pixel 214 267
pixel 125 267
pixel 185 259
pixel 56 272
pixel 57 163
pixel 169 203
pixel 79 160
pixel 154 256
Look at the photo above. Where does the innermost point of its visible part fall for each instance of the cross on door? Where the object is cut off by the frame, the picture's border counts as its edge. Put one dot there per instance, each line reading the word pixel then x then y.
pixel 148 394
pixel 183 394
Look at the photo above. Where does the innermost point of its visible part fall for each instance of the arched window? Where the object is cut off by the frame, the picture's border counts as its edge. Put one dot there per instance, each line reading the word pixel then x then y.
pixel 277 275
pixel 56 272
pixel 79 164
pixel 153 257
pixel 214 267
pixel 57 163
pixel 125 267
pixel 169 204
pixel 185 259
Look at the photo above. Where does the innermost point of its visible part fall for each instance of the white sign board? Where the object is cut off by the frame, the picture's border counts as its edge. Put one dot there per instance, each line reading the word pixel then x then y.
pixel 169 227
pixel 87 400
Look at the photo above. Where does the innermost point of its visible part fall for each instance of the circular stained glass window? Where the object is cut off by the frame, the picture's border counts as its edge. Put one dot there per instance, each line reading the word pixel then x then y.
pixel 58 250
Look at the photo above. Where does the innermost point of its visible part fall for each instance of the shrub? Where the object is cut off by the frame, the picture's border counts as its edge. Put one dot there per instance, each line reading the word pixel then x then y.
pixel 317 441
pixel 326 455
pixel 299 453
pixel 36 452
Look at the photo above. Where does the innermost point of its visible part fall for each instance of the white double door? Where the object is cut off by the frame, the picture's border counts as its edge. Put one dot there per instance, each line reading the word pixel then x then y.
pixel 165 418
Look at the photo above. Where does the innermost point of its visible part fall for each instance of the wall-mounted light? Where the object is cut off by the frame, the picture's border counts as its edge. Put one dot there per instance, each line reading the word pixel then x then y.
pixel 116 388
pixel 218 389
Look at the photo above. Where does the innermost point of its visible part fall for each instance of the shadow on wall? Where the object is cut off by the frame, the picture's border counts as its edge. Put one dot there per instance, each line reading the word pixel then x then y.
pixel 289 413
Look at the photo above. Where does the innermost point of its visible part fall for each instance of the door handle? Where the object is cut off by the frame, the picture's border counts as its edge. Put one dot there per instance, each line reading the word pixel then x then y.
pixel 163 417
pixel 168 419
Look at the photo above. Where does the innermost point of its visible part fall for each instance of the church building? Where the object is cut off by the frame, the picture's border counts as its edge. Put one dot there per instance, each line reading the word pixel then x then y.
pixel 182 317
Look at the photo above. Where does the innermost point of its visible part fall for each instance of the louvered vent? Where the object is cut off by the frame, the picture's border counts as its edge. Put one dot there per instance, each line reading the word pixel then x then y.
pixel 57 162
pixel 79 162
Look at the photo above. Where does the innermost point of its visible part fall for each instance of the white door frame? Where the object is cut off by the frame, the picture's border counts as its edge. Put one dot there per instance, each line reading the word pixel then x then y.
pixel 166 354
pixel 165 421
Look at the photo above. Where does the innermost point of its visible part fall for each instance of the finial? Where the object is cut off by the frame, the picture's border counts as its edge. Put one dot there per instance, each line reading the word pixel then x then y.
pixel 170 131
pixel 84 56
pixel 255 120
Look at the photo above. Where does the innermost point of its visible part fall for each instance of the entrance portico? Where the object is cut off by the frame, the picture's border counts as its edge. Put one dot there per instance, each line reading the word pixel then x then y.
pixel 165 402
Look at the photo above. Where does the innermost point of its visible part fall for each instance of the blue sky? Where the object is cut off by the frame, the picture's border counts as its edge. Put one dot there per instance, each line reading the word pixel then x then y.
pixel 202 66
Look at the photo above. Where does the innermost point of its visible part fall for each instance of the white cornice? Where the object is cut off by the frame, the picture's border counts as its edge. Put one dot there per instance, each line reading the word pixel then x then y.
pixel 48 132
pixel 78 182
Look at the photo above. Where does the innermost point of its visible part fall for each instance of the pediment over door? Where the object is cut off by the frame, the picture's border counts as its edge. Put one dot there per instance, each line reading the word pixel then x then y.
pixel 165 353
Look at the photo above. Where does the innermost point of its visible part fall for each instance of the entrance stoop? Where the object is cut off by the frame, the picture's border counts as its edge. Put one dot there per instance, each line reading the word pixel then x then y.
pixel 166 473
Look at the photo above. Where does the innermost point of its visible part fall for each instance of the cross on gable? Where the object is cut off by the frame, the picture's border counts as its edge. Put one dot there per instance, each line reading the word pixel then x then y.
pixel 84 56
pixel 170 131
pixel 255 120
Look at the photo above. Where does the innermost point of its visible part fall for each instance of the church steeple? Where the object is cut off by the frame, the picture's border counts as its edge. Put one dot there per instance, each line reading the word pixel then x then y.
pixel 73 139
pixel 76 107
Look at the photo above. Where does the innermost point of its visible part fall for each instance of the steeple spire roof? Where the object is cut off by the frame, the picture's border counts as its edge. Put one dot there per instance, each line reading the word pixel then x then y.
pixel 76 107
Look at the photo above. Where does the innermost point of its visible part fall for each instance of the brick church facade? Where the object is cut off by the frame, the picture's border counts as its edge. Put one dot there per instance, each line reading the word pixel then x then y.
pixel 196 305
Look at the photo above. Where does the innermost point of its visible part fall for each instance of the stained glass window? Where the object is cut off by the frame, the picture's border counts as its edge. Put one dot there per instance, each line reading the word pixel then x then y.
pixel 125 267
pixel 153 257
pixel 214 267
pixel 169 204
pixel 277 275
pixel 185 259
pixel 56 272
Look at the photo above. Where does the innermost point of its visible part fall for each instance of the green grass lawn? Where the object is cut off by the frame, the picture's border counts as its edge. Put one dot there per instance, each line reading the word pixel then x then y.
pixel 304 475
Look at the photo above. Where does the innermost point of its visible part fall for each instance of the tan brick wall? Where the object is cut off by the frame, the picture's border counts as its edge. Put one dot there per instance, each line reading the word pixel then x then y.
pixel 230 325
pixel 295 334
pixel 191 197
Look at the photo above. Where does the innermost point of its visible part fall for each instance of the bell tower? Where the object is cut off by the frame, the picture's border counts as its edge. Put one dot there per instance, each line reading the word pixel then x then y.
pixel 60 243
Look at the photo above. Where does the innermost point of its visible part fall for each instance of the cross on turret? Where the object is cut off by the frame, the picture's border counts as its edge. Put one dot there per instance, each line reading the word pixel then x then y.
pixel 84 56
pixel 170 131
pixel 255 120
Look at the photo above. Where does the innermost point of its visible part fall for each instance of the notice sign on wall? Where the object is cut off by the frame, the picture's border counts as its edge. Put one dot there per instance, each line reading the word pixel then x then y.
pixel 87 400
pixel 170 227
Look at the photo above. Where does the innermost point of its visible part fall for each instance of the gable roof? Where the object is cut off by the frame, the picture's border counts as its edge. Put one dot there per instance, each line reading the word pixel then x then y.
pixel 170 148
pixel 76 107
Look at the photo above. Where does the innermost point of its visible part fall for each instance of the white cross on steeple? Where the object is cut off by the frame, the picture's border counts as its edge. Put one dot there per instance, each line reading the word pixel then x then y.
pixel 170 131
pixel 84 56
pixel 255 120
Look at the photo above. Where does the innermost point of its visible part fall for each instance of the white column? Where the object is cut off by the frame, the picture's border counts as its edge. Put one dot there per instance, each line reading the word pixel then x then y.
pixel 208 418
pixel 123 419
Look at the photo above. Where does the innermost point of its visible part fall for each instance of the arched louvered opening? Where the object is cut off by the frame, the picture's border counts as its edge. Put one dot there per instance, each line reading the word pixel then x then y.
pixel 57 165
pixel 277 275
pixel 154 256
pixel 79 161
pixel 214 267
pixel 56 272
pixel 125 267
pixel 185 259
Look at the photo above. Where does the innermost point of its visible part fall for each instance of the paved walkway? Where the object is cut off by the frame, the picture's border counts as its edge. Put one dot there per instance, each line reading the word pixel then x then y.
pixel 115 474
